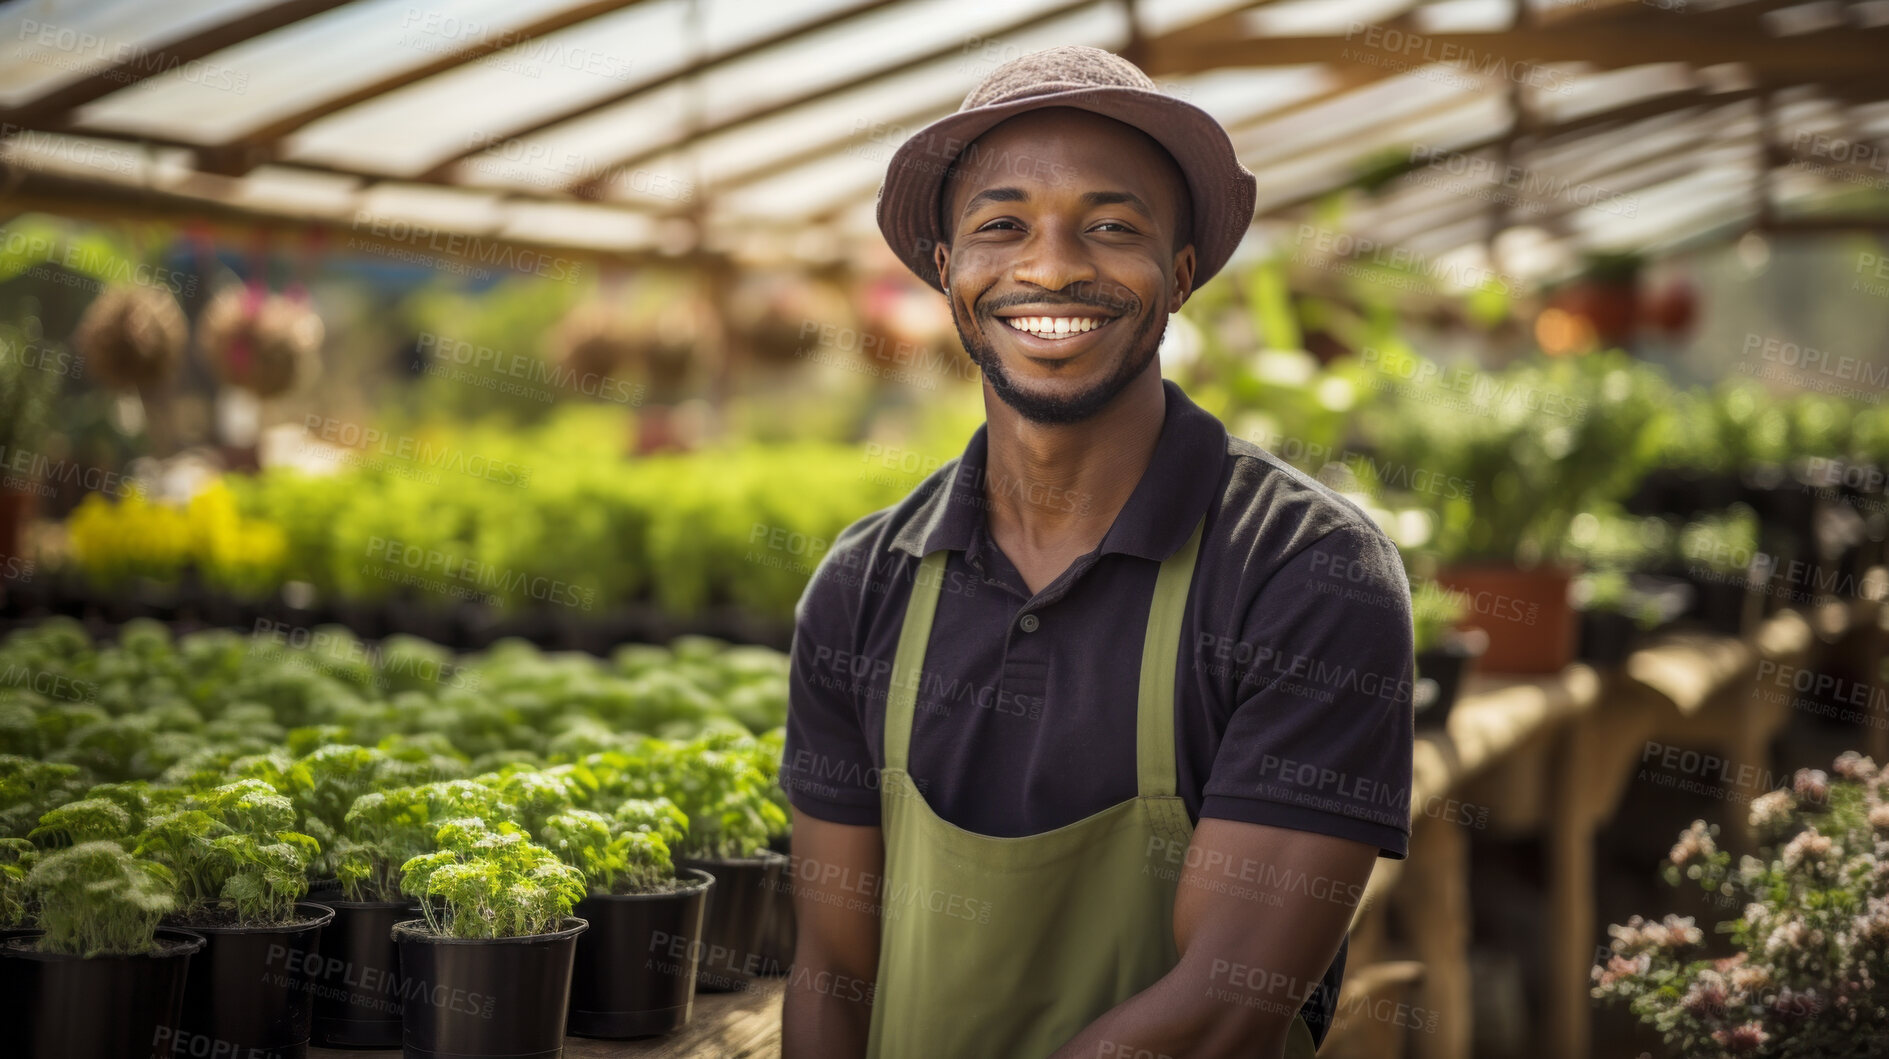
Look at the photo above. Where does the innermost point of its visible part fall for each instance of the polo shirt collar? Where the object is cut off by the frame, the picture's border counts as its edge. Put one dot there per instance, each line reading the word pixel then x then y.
pixel 1159 516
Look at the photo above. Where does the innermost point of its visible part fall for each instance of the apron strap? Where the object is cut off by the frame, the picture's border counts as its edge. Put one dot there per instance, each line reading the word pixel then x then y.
pixel 1154 708
pixel 908 664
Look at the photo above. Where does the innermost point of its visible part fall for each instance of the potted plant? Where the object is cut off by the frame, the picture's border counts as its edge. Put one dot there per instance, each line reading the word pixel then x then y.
pixel 765 751
pixel 99 979
pixel 1445 654
pixel 16 905
pixel 1805 974
pixel 488 968
pixel 636 965
pixel 357 986
pixel 1613 616
pixel 240 874
pixel 1606 294
pixel 1718 556
pixel 1521 453
pixel 731 814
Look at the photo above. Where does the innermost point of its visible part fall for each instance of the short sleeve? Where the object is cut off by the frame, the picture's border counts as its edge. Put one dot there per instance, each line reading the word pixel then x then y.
pixel 1322 728
pixel 827 767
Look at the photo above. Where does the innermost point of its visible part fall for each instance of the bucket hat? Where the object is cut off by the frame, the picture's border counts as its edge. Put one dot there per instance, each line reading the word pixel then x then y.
pixel 1072 75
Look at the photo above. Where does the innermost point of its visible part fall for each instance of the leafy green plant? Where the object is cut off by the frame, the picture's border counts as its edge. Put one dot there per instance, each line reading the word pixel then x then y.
pixel 731 808
pixel 1607 538
pixel 16 860
pixel 1611 591
pixel 1434 611
pixel 94 899
pixel 491 881
pixel 1724 543
pixel 384 830
pixel 323 786
pixel 233 855
pixel 627 852
pixel 1533 445
pixel 86 820
pixel 30 789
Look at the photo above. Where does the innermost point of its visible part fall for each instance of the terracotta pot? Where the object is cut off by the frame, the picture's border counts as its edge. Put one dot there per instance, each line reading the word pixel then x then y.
pixel 1526 613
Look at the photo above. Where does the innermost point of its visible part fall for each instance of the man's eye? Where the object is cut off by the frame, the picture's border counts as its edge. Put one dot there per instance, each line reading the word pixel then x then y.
pixel 986 226
pixel 1116 224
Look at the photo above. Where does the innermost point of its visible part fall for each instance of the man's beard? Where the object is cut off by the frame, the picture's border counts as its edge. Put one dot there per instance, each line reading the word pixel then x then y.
pixel 1142 347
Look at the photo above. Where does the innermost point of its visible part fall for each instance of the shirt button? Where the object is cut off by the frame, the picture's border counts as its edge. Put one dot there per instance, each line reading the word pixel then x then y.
pixel 1029 623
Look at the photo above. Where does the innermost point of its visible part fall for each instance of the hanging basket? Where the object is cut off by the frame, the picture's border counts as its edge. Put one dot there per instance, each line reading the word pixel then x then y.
pixel 132 336
pixel 594 339
pixel 260 342
pixel 667 359
pixel 782 318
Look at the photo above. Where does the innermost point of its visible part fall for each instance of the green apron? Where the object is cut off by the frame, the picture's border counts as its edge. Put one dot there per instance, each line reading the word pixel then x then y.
pixel 1005 948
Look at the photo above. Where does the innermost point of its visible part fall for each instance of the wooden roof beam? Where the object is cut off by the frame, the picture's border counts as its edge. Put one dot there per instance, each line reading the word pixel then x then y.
pixel 1513 53
pixel 49 110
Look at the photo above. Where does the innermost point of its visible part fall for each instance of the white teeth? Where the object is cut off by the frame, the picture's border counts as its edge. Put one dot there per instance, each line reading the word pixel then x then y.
pixel 1044 326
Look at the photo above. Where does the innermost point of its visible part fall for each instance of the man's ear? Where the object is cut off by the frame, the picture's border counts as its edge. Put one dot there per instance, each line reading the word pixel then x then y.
pixel 1184 263
pixel 941 257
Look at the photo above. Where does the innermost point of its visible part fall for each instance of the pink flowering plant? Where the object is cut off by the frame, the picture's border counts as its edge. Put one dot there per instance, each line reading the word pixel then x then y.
pixel 1810 972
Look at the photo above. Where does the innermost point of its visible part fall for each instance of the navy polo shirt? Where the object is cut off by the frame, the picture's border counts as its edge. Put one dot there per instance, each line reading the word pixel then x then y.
pixel 1293 687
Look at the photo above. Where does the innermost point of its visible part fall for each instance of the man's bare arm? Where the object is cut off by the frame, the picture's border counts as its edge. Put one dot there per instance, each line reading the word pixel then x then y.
pixel 1258 919
pixel 828 1007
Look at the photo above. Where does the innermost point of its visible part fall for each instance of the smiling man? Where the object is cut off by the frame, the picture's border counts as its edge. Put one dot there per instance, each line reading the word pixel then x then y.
pixel 1095 737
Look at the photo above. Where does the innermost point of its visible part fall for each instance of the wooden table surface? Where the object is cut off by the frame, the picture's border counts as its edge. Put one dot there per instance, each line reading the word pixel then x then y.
pixel 744 1025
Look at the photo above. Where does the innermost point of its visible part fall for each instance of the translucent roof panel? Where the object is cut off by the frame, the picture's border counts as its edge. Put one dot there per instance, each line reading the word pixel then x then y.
pixel 1237 96
pixel 51 45
pixel 544 160
pixel 1287 179
pixel 1670 210
pixel 1466 16
pixel 283 189
pixel 85 157
pixel 1319 18
pixel 806 190
pixel 874 117
pixel 1156 17
pixel 575 224
pixel 1357 110
pixel 884 42
pixel 431 206
pixel 321 57
pixel 418 127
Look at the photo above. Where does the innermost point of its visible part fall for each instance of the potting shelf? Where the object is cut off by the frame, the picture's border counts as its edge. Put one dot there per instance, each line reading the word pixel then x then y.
pixel 1551 756
pixel 744 1025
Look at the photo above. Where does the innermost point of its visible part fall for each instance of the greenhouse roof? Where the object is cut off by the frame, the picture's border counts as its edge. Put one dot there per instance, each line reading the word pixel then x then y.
pixel 1505 134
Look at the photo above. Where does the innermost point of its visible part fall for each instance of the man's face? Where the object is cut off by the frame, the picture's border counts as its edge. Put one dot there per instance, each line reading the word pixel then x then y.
pixel 1065 214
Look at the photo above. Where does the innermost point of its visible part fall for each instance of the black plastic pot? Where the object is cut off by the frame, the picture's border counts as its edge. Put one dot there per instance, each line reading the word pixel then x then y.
pixel 474 998
pixel 1720 603
pixel 248 992
pixel 1440 672
pixel 635 970
pixel 739 942
pixel 356 981
pixel 57 1006
pixel 1607 637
